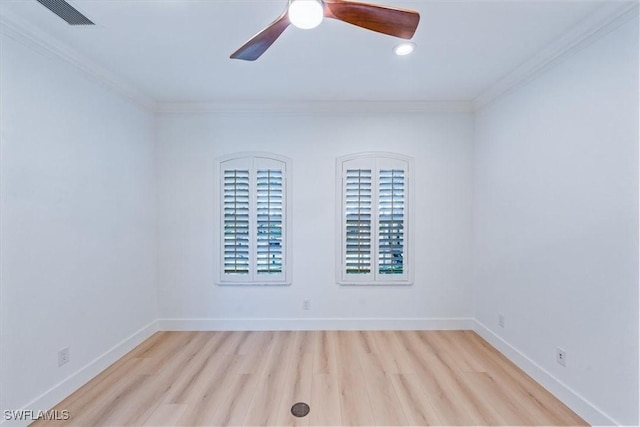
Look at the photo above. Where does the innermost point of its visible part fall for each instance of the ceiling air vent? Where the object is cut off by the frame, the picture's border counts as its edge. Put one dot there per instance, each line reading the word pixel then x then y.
pixel 65 11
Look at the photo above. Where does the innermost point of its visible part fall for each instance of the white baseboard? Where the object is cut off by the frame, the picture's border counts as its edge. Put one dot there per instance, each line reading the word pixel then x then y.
pixel 589 412
pixel 63 389
pixel 326 324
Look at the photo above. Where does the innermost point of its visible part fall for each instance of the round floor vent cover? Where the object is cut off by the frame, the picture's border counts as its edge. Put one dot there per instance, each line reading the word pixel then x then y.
pixel 300 409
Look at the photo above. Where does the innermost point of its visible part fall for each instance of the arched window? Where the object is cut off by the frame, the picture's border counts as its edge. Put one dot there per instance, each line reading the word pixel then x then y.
pixel 254 234
pixel 374 219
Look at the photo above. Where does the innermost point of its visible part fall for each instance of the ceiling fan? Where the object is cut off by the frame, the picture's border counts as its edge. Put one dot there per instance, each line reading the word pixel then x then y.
pixel 309 13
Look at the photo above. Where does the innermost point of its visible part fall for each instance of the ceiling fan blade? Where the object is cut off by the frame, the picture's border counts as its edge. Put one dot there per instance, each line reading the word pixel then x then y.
pixel 394 22
pixel 258 44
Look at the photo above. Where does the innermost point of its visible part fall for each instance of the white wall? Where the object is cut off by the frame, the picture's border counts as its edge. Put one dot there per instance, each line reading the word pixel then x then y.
pixel 556 221
pixel 77 221
pixel 188 144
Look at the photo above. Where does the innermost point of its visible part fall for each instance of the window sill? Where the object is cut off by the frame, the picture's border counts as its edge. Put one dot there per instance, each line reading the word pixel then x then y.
pixel 260 284
pixel 398 283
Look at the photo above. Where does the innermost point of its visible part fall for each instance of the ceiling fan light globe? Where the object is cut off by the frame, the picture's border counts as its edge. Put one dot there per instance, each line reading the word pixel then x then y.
pixel 306 14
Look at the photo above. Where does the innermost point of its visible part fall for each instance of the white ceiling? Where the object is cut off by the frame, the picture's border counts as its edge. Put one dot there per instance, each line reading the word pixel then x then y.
pixel 178 50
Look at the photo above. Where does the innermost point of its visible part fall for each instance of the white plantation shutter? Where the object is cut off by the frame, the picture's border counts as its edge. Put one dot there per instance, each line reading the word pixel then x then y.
pixel 391 202
pixel 253 220
pixel 374 222
pixel 236 221
pixel 358 221
pixel 269 221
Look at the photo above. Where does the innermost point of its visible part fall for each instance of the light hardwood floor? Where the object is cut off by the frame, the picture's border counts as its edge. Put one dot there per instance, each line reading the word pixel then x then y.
pixel 390 378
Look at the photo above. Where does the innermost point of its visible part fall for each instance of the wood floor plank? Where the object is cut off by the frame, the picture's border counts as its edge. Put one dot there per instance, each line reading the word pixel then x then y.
pixel 233 411
pixel 150 345
pixel 367 341
pixel 179 391
pixel 506 410
pixel 324 360
pixel 258 345
pixel 385 405
pixel 296 386
pixel 158 385
pixel 355 407
pixel 208 391
pixel 325 401
pixel 266 400
pixel 204 405
pixel 118 405
pixel 394 357
pixel 415 402
pixel 456 353
pixel 165 415
pixel 170 347
pixel 440 383
pixel 347 378
pixel 465 397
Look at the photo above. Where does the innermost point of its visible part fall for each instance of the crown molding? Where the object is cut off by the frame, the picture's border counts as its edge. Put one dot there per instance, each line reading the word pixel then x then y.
pixel 597 25
pixel 318 107
pixel 24 33
pixel 604 20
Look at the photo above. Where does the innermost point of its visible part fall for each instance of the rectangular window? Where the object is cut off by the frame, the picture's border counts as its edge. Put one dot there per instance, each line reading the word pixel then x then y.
pixel 373 219
pixel 253 244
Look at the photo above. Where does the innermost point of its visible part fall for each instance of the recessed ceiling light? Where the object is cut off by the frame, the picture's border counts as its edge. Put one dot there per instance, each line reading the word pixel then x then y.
pixel 404 49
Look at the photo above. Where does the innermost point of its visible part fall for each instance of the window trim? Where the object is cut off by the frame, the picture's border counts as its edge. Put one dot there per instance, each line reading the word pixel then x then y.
pixel 374 157
pixel 287 264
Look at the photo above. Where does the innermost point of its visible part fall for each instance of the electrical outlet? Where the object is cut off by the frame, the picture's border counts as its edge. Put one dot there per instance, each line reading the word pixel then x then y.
pixel 306 304
pixel 501 320
pixel 561 356
pixel 63 356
